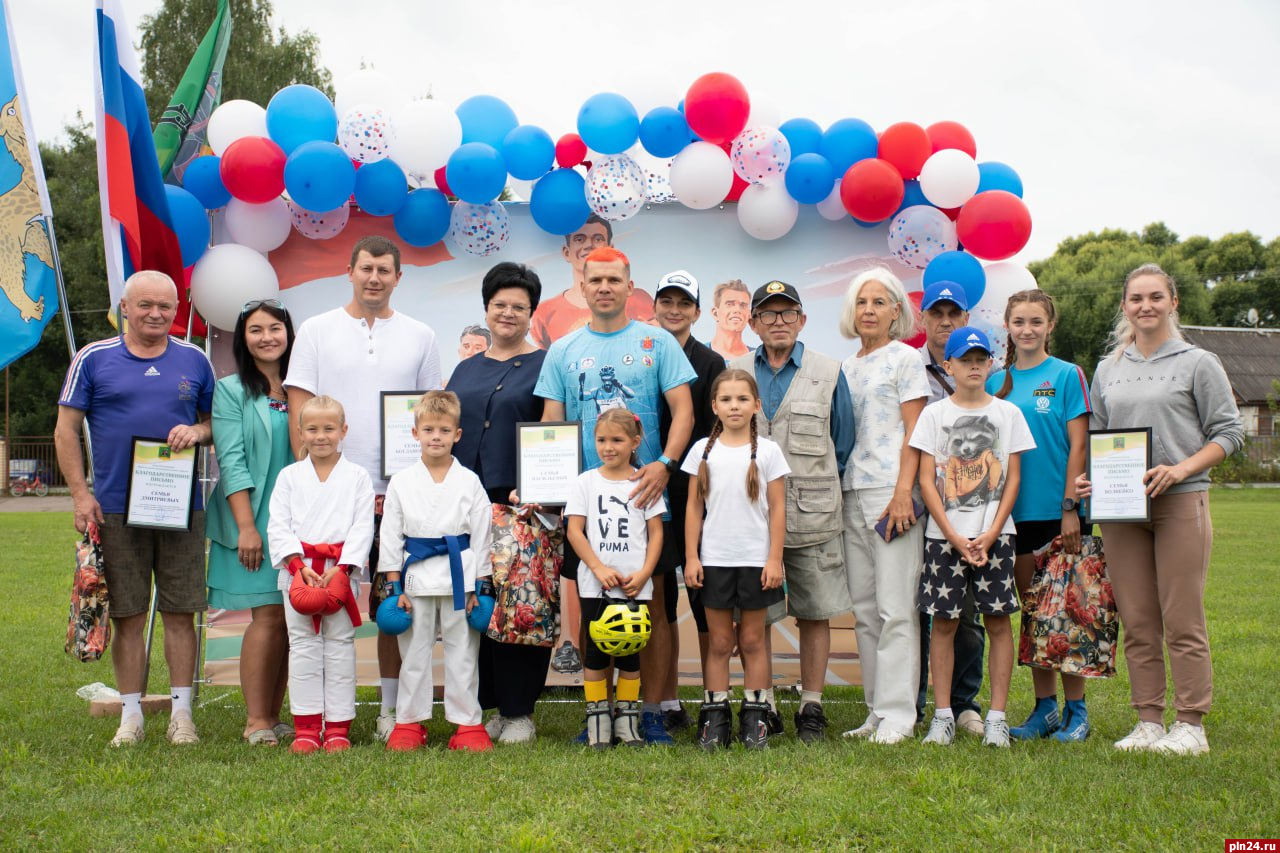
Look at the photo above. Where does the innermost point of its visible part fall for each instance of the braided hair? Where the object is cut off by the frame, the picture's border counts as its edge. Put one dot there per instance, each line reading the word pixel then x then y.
pixel 753 471
pixel 1035 297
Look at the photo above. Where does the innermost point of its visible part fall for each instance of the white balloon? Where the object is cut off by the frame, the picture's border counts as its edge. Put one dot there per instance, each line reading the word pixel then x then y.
pixel 427 132
pixel 522 190
pixel 1003 280
pixel 367 86
pixel 701 175
pixel 949 178
pixel 227 277
pixel 767 211
pixel 235 120
pixel 764 113
pixel 831 207
pixel 259 226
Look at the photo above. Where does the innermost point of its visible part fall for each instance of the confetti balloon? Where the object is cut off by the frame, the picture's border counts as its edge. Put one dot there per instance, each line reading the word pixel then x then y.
pixel 657 176
pixel 366 133
pixel 320 226
pixel 616 187
pixel 919 234
pixel 760 154
pixel 479 229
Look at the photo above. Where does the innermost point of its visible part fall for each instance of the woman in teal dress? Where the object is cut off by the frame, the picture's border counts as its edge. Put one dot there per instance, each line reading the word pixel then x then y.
pixel 251 440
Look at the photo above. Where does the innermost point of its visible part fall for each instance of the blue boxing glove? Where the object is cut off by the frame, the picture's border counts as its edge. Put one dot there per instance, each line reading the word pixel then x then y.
pixel 482 613
pixel 392 618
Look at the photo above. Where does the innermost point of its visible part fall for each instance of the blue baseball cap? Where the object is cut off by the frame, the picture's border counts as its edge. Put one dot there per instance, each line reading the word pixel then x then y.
pixel 967 338
pixel 944 291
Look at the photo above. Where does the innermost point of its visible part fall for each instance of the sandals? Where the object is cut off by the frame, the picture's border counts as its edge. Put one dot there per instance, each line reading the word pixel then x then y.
pixel 262 737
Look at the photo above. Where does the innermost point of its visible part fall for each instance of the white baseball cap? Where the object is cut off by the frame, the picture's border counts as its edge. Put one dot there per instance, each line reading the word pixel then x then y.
pixel 681 280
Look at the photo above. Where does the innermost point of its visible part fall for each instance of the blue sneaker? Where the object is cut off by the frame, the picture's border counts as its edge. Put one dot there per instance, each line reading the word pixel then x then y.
pixel 1075 723
pixel 1042 722
pixel 654 730
pixel 581 739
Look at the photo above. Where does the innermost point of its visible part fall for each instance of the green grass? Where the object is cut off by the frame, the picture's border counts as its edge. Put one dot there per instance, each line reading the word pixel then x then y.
pixel 64 788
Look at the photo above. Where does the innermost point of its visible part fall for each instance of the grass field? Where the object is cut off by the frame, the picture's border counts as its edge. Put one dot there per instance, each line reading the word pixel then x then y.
pixel 65 789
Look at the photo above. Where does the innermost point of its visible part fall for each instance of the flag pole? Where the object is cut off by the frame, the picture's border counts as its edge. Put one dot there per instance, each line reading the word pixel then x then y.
pixel 66 322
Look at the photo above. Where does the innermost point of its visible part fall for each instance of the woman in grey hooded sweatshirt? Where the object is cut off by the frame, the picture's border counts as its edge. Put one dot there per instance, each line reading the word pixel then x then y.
pixel 1153 378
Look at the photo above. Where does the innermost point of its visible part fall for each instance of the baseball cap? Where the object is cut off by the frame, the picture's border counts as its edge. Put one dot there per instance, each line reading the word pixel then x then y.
pixel 682 281
pixel 967 338
pixel 944 291
pixel 772 289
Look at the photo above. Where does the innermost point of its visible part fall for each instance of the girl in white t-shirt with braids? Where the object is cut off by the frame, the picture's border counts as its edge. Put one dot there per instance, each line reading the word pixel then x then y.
pixel 734 554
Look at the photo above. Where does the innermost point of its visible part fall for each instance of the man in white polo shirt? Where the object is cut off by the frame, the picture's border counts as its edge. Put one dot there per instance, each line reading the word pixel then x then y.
pixel 352 354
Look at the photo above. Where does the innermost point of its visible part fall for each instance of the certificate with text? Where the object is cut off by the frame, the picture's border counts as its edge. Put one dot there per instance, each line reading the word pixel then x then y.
pixel 399 448
pixel 162 481
pixel 548 461
pixel 1116 462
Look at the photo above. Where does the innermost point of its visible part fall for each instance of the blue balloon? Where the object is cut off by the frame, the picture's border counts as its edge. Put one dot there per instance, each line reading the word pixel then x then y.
pixel 381 187
pixel 476 173
pixel 912 195
pixel 608 123
pixel 862 223
pixel 203 179
pixel 846 142
pixel 529 152
pixel 664 132
pixel 299 114
pixel 393 619
pixel 423 219
pixel 805 136
pixel 998 176
pixel 485 119
pixel 190 222
pixel 559 202
pixel 319 176
pixel 810 178
pixel 962 268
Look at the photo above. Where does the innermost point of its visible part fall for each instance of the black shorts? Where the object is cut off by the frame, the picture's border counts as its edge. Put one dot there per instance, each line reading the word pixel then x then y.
pixel 1034 535
pixel 947 575
pixel 377 582
pixel 592 657
pixel 727 587
pixel 569 569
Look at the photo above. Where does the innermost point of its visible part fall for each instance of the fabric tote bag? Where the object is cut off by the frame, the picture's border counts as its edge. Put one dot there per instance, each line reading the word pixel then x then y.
pixel 1069 618
pixel 527 556
pixel 89 625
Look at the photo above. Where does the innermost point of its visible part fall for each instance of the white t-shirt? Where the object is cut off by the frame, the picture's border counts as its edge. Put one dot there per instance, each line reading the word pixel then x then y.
pixel 971 449
pixel 615 527
pixel 339 355
pixel 879 384
pixel 735 531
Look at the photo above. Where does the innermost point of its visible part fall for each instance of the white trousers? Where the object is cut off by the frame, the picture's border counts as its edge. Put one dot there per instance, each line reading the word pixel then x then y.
pixel 461 663
pixel 883 579
pixel 322 667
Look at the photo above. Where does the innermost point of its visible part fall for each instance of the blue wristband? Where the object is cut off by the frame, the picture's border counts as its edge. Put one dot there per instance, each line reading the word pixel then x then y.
pixel 394 589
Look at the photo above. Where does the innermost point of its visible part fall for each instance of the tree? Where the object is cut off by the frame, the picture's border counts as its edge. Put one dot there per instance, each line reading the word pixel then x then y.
pixel 259 63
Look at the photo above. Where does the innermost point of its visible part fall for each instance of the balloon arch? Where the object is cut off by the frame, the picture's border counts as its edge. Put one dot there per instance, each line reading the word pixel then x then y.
pixel 303 161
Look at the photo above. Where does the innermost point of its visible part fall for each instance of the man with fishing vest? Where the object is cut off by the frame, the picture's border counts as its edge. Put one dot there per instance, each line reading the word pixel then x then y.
pixel 807 409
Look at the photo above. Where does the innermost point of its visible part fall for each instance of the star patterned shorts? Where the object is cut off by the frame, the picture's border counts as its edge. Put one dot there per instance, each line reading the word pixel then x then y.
pixel 946 575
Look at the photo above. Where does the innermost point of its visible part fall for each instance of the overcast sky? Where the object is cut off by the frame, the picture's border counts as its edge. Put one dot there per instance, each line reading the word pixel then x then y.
pixel 1115 114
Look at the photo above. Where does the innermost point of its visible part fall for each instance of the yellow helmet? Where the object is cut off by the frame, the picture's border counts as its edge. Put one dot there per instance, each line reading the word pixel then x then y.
pixel 622 629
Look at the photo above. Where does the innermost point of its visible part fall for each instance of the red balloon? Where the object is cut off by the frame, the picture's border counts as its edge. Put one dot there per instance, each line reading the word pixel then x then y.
pixel 871 190
pixel 952 134
pixel 717 107
pixel 252 169
pixel 570 150
pixel 919 339
pixel 994 225
pixel 906 145
pixel 441 183
pixel 738 188
pixel 951 212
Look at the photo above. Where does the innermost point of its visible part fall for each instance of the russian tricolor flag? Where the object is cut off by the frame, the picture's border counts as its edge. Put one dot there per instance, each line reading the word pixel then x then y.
pixel 137 228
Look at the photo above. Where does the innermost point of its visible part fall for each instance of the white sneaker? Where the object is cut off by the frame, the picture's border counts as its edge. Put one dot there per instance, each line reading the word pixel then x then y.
pixel 1143 737
pixel 182 729
pixel 1183 739
pixel 494 726
pixel 971 722
pixel 129 733
pixel 942 731
pixel 995 733
pixel 867 729
pixel 386 722
pixel 888 735
pixel 519 730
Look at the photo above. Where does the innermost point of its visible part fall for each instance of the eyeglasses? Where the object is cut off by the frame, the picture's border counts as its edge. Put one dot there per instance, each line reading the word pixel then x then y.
pixel 503 308
pixel 255 304
pixel 769 318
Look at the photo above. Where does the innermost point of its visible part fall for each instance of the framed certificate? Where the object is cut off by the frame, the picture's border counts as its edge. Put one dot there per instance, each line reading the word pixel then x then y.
pixel 399 448
pixel 162 485
pixel 1115 462
pixel 548 461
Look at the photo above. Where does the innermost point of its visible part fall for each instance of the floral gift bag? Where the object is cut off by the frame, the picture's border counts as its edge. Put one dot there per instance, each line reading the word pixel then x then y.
pixel 527 556
pixel 1069 619
pixel 89 627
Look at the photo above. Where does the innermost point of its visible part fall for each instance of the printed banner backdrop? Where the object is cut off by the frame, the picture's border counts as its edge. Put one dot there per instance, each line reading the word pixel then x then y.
pixel 441 286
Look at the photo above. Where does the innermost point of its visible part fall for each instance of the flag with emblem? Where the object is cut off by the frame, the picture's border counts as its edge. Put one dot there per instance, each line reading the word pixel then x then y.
pixel 182 130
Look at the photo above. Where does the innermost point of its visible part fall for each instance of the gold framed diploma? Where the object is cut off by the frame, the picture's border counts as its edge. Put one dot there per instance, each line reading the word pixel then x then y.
pixel 399 448
pixel 1116 461
pixel 161 490
pixel 548 461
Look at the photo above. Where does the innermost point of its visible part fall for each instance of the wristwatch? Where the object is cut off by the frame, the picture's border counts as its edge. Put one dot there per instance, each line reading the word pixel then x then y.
pixel 670 463
pixel 1069 504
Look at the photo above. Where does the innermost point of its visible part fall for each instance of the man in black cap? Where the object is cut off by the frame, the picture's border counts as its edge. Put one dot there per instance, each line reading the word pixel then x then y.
pixel 808 411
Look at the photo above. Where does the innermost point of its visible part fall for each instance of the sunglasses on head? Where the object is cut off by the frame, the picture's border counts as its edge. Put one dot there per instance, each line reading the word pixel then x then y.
pixel 255 304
